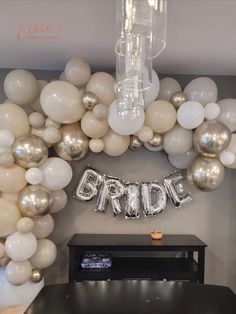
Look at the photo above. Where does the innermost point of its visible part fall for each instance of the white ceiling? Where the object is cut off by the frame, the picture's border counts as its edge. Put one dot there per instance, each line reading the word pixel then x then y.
pixel 201 35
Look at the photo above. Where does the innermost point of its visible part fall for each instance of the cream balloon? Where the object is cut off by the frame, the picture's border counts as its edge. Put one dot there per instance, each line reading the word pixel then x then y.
pixel 57 173
pixel 92 126
pixel 228 113
pixel 102 85
pixel 34 176
pixel 150 95
pixel 227 158
pixel 45 254
pixel 43 226
pixel 190 114
pixel 96 145
pixel 21 87
pixel 17 273
pixel 51 135
pixel 115 144
pixel 100 111
pixel 212 111
pixel 12 179
pixel 25 225
pixel 124 126
pixel 183 161
pixel 202 90
pixel 9 215
pixel 145 134
pixel 160 116
pixel 61 101
pixel 6 159
pixel 168 87
pixel 73 144
pixel 36 104
pixel 178 141
pixel 59 201
pixel 36 120
pixel 20 246
pixel 14 119
pixel 77 71
pixel 6 138
pixel 52 124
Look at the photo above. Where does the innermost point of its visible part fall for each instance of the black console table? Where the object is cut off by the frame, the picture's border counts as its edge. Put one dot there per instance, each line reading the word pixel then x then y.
pixel 135 257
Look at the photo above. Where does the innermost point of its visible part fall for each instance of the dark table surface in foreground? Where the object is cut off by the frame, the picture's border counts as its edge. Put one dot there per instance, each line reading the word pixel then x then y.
pixel 134 297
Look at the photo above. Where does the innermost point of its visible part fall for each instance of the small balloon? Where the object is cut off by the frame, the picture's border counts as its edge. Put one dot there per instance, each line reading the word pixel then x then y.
pixel 145 134
pixel 227 157
pixel 77 71
pixel 36 120
pixel 51 135
pixel 25 225
pixel 135 143
pixel 34 176
pixel 178 99
pixel 168 87
pixel 96 145
pixel 115 144
pixel 89 100
pixel 156 140
pixel 132 200
pixel 37 275
pixel 100 111
pixel 153 148
pixel 212 111
pixel 92 126
pixel 190 114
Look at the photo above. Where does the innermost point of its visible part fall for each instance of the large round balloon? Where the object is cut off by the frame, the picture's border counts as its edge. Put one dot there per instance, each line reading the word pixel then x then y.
pixel 14 119
pixel 115 144
pixel 168 87
pixel 190 114
pixel 30 151
pixel 43 226
pixel 61 101
pixel 160 116
pixel 73 144
pixel 12 179
pixel 77 71
pixel 20 246
pixel 206 173
pixel 183 161
pixel 178 141
pixel 211 138
pixel 102 85
pixel 45 254
pixel 9 215
pixel 201 89
pixel 92 126
pixel 34 200
pixel 17 273
pixel 228 113
pixel 123 126
pixel 21 87
pixel 59 201
pixel 57 173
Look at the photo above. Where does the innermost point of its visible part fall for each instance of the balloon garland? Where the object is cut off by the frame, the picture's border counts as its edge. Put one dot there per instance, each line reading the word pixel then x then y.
pixel 78 113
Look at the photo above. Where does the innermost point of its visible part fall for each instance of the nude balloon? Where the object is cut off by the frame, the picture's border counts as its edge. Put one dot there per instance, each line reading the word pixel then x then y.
pixel 45 254
pixel 61 101
pixel 14 119
pixel 9 215
pixel 12 179
pixel 115 144
pixel 17 273
pixel 77 71
pixel 92 126
pixel 43 226
pixel 102 85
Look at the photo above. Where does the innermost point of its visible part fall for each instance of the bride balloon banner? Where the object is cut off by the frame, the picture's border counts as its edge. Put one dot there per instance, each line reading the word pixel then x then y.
pixel 111 189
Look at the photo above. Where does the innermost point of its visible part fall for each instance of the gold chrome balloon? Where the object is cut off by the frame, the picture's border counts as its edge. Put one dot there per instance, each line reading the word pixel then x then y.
pixel 30 151
pixel 211 138
pixel 35 200
pixel 178 99
pixel 157 140
pixel 73 144
pixel 135 143
pixel 89 100
pixel 206 173
pixel 37 275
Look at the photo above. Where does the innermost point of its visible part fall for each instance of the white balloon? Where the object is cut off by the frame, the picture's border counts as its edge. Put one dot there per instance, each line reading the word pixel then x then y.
pixel 153 148
pixel 190 114
pixel 183 161
pixel 150 95
pixel 202 89
pixel 15 295
pixel 34 176
pixel 227 157
pixel 20 246
pixel 168 87
pixel 59 201
pixel 18 273
pixel 43 226
pixel 228 113
pixel 36 119
pixel 6 138
pixel 57 173
pixel 212 111
pixel 124 127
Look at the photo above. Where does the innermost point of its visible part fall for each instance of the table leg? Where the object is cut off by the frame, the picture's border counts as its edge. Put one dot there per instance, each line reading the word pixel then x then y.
pixel 201 265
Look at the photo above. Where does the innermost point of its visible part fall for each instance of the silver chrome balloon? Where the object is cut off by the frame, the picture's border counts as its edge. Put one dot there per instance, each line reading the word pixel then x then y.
pixel 132 197
pixel 178 99
pixel 135 143
pixel 147 189
pixel 73 144
pixel 88 185
pixel 89 100
pixel 175 191
pixel 34 200
pixel 29 151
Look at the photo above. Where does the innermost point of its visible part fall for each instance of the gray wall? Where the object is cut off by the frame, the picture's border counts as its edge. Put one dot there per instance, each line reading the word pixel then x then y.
pixel 210 216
